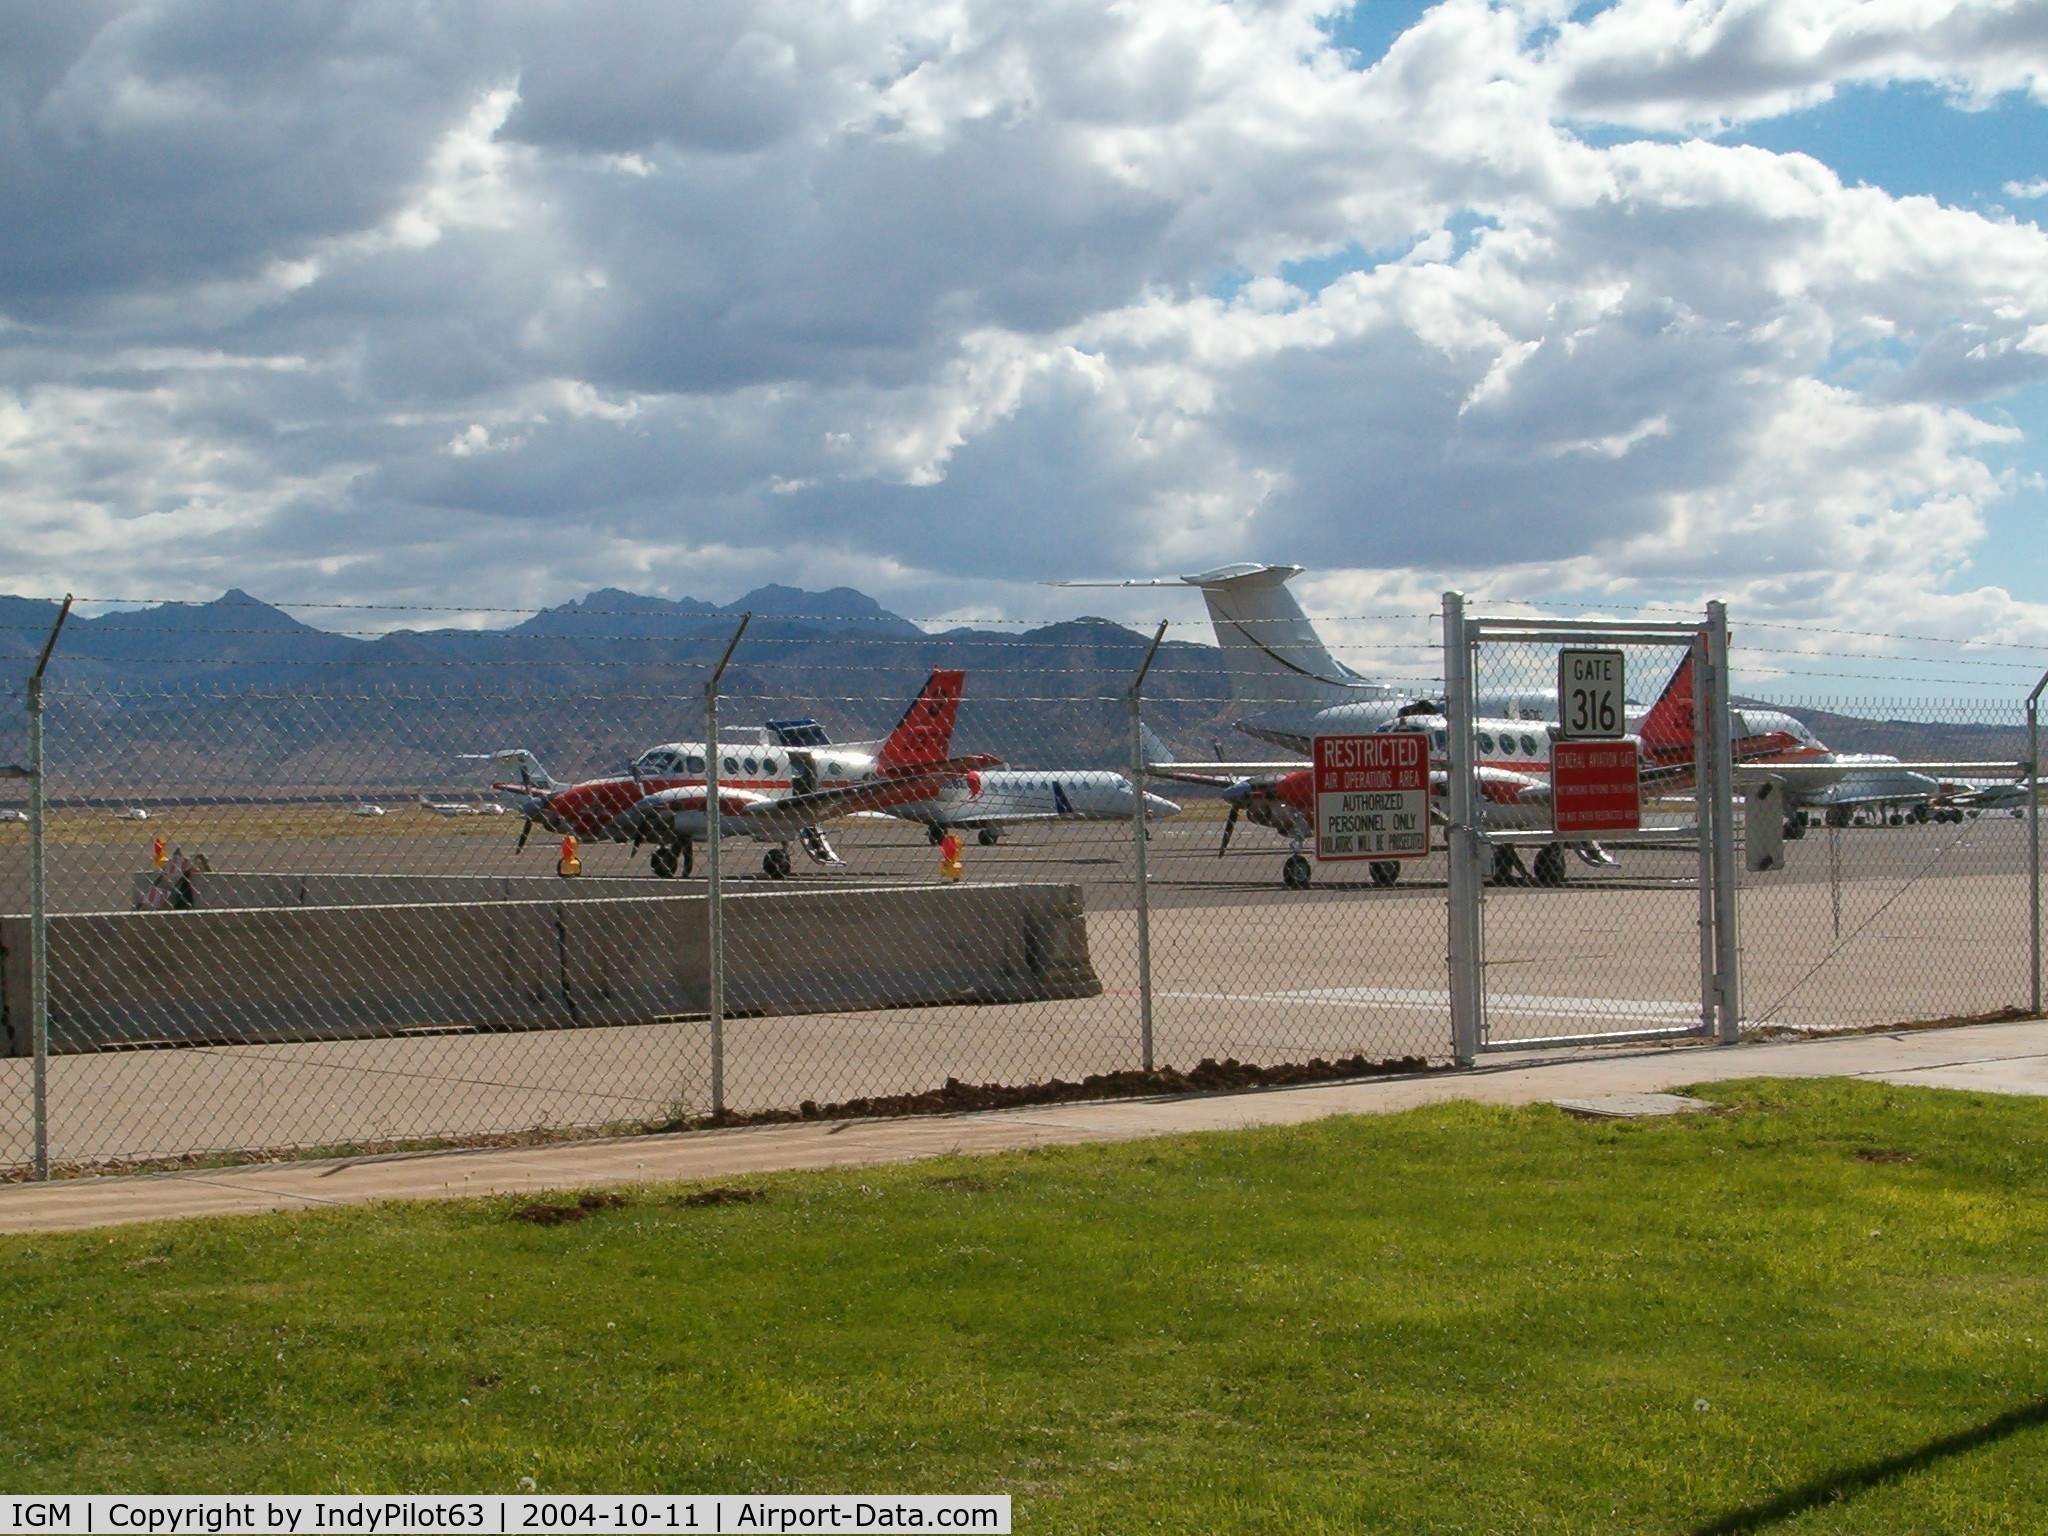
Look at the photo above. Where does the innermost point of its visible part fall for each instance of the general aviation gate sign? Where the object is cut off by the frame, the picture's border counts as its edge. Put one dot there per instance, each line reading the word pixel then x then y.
pixel 1372 796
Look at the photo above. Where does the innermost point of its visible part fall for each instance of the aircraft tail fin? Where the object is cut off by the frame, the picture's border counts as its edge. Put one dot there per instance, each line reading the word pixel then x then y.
pixel 531 774
pixel 1156 750
pixel 925 733
pixel 1667 729
pixel 1270 649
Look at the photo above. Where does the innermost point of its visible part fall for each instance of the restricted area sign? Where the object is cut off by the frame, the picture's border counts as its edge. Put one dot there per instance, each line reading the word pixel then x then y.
pixel 1593 788
pixel 1372 796
pixel 1592 704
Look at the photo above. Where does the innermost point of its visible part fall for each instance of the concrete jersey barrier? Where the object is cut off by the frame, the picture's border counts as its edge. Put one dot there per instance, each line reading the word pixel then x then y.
pixel 267 974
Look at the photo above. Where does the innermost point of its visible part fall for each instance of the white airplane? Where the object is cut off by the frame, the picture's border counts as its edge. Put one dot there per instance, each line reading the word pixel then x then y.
pixel 450 808
pixel 772 792
pixel 368 809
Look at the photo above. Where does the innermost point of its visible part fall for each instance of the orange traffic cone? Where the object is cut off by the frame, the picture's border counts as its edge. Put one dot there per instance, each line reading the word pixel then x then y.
pixel 157 855
pixel 567 863
pixel 949 856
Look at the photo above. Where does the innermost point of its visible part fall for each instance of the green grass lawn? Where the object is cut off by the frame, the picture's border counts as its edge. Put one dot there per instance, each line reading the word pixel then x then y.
pixel 1824 1309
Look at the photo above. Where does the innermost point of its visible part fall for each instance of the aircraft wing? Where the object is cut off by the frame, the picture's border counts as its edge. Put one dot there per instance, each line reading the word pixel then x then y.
pixel 792 813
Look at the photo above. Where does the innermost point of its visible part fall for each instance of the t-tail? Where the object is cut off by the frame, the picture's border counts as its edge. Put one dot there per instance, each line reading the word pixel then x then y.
pixel 925 733
pixel 1667 727
pixel 1270 649
pixel 531 774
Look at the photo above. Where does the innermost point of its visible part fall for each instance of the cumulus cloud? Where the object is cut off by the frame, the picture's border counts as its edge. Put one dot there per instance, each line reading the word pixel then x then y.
pixel 494 304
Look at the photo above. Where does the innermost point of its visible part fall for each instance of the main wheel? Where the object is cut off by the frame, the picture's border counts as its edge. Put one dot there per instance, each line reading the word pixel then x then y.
pixel 1385 871
pixel 935 834
pixel 1296 873
pixel 1550 865
pixel 663 862
pixel 689 856
pixel 775 864
pixel 1795 828
pixel 987 837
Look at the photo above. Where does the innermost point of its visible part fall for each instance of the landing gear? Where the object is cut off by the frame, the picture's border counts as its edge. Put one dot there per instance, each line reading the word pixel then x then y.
pixel 775 863
pixel 935 834
pixel 1384 871
pixel 1296 872
pixel 1795 828
pixel 1838 816
pixel 665 859
pixel 1508 868
pixel 1550 865
pixel 988 837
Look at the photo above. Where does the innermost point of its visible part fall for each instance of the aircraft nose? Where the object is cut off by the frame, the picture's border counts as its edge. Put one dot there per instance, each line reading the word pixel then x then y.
pixel 1239 794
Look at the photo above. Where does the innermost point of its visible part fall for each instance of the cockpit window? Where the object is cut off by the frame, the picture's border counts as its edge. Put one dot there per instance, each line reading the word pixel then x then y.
pixel 696 763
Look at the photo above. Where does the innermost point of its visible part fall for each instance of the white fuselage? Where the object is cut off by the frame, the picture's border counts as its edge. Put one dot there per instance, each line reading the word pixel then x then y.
pixel 1019 795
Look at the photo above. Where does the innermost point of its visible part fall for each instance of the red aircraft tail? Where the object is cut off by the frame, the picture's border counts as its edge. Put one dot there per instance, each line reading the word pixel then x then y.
pixel 925 733
pixel 1667 730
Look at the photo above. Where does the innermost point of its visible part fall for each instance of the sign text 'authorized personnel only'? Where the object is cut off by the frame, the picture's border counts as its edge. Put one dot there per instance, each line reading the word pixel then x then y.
pixel 1372 796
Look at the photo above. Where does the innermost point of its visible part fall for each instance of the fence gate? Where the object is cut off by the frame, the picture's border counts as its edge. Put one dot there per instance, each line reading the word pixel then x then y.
pixel 1568 925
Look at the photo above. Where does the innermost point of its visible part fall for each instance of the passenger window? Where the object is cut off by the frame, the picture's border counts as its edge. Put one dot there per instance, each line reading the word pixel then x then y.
pixel 732 765
pixel 1529 745
pixel 1485 742
pixel 753 766
pixel 769 764
pixel 832 770
pixel 1507 745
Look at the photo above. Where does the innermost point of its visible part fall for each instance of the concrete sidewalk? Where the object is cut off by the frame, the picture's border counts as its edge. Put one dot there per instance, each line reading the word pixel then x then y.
pixel 1989 1058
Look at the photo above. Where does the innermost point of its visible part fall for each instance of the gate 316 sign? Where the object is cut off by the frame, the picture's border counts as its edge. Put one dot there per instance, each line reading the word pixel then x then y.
pixel 1372 796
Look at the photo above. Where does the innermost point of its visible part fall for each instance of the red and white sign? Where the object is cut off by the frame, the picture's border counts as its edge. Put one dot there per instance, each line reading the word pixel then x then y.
pixel 1372 796
pixel 1593 788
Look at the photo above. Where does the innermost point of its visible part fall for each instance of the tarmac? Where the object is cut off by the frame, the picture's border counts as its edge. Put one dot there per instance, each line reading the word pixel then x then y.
pixel 2007 1058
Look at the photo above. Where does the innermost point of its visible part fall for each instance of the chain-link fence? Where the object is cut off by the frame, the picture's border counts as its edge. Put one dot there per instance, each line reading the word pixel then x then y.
pixel 452 887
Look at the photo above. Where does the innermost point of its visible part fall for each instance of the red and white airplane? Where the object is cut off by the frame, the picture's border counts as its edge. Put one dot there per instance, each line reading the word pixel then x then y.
pixel 1513 774
pixel 767 791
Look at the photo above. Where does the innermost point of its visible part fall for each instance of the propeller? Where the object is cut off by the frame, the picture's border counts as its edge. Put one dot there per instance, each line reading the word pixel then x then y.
pixel 525 831
pixel 1229 825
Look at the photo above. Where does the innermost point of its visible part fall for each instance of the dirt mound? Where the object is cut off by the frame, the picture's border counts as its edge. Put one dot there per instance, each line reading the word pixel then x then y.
pixel 956 1097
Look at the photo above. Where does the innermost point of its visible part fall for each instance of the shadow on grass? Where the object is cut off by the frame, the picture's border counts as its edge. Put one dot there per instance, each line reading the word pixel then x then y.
pixel 1840 1486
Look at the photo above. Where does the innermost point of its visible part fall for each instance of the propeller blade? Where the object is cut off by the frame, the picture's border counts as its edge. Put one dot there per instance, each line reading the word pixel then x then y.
pixel 525 831
pixel 1229 825
pixel 633 852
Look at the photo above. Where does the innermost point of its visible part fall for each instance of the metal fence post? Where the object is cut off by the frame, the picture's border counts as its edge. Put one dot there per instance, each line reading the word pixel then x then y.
pixel 38 908
pixel 1462 841
pixel 1727 950
pixel 1703 816
pixel 2034 835
pixel 713 900
pixel 1139 830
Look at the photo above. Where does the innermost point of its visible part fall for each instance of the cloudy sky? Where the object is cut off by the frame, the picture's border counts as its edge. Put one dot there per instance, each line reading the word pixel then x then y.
pixel 494 304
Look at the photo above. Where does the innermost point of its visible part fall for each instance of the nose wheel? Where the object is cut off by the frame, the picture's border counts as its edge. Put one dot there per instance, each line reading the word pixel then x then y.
pixel 663 862
pixel 775 864
pixel 1296 872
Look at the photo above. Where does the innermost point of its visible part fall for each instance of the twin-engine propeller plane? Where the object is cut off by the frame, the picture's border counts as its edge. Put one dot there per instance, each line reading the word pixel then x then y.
pixel 769 791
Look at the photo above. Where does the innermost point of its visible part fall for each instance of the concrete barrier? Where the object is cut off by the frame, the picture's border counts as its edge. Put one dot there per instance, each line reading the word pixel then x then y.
pixel 251 975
